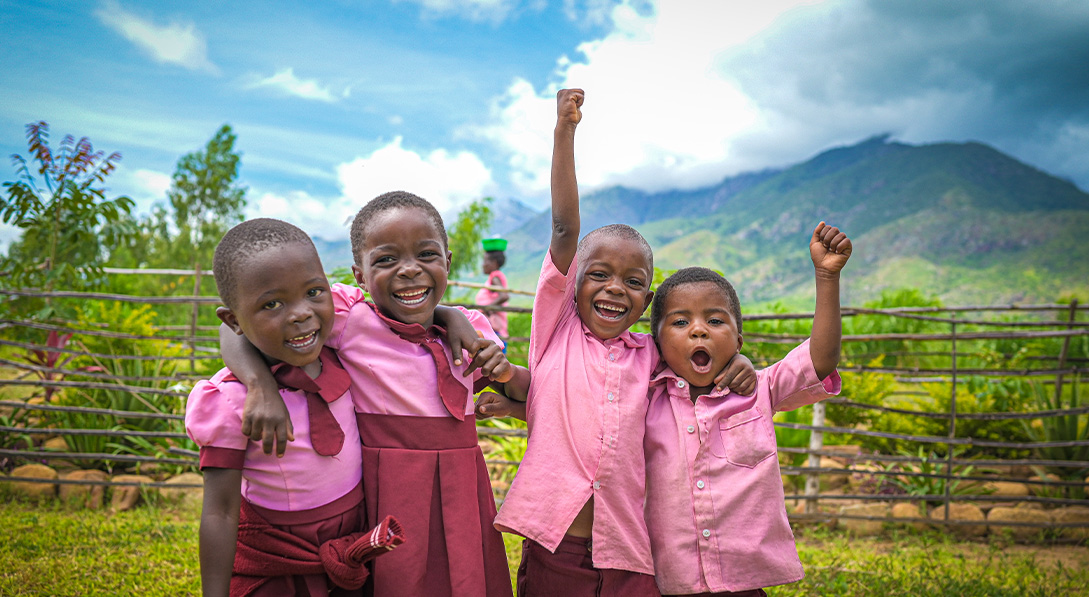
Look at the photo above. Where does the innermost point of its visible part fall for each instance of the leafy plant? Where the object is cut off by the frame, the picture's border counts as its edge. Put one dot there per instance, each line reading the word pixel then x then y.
pixel 1061 428
pixel 930 463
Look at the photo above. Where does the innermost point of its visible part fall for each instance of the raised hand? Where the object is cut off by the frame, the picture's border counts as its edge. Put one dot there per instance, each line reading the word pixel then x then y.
pixel 568 102
pixel 829 248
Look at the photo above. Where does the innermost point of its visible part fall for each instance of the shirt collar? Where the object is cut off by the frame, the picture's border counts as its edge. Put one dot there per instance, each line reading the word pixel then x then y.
pixel 665 377
pixel 627 338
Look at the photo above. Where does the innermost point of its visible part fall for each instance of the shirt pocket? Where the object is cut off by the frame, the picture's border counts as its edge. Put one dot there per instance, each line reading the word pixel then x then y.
pixel 745 439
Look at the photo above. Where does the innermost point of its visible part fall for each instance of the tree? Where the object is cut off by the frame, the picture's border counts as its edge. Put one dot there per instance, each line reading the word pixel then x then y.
pixel 68 225
pixel 465 236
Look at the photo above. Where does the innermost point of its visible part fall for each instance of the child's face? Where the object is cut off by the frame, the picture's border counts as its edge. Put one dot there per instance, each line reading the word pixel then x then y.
pixel 404 265
pixel 489 265
pixel 612 286
pixel 283 304
pixel 697 333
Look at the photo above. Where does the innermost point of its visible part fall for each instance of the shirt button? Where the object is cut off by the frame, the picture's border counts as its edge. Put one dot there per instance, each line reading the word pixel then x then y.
pixel 706 533
pixel 691 429
pixel 612 357
pixel 699 484
pixel 680 383
pixel 610 396
pixel 597 484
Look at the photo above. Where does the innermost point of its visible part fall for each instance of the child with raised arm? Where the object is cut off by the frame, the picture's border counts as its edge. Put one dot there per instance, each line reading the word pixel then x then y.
pixel 715 507
pixel 413 403
pixel 269 526
pixel 578 495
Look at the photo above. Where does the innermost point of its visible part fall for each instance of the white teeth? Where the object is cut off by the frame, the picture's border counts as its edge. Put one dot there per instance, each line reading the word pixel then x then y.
pixel 303 341
pixel 611 308
pixel 412 298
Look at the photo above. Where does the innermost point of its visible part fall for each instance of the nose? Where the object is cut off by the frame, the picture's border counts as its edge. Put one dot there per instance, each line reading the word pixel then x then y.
pixel 300 312
pixel 614 286
pixel 698 330
pixel 410 268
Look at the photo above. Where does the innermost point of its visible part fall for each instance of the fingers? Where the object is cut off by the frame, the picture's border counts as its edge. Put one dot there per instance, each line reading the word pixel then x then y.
pixel 832 238
pixel 568 102
pixel 456 349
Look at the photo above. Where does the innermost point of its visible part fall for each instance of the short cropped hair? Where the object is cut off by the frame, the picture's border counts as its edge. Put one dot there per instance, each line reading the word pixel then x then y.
pixel 384 203
pixel 621 231
pixel 244 241
pixel 499 257
pixel 692 275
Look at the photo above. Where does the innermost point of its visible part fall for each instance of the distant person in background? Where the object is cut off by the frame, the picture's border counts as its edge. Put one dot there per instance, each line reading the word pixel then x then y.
pixel 494 258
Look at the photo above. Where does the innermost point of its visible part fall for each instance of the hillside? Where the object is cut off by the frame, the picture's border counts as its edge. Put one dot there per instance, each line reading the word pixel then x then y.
pixel 961 221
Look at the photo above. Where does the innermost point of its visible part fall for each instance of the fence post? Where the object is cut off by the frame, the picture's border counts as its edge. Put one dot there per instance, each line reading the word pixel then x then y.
pixel 193 320
pixel 1062 353
pixel 952 417
pixel 816 444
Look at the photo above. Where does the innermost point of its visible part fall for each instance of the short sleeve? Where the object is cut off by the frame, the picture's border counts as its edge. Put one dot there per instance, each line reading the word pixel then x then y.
pixel 344 298
pixel 555 299
pixel 793 383
pixel 213 419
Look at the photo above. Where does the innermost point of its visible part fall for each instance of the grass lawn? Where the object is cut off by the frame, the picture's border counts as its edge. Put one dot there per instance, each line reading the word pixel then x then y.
pixel 55 550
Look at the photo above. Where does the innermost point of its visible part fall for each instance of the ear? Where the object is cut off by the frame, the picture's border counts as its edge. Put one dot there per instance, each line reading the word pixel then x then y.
pixel 740 342
pixel 646 301
pixel 359 279
pixel 449 260
pixel 228 317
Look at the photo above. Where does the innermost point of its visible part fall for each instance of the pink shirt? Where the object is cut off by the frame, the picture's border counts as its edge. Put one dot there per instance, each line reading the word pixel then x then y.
pixel 715 505
pixel 390 375
pixel 302 479
pixel 498 319
pixel 586 410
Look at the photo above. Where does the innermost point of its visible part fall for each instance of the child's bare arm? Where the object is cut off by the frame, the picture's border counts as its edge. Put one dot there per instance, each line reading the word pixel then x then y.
pixel 219 529
pixel 830 250
pixel 565 188
pixel 264 417
pixel 483 353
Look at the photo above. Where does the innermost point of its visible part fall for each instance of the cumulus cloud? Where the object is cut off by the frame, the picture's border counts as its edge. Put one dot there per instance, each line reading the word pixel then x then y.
pixel 176 43
pixel 474 10
pixel 683 93
pixel 286 82
pixel 145 187
pixel 446 179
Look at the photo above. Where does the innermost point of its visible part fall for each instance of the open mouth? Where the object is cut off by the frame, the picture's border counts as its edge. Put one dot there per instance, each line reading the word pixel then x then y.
pixel 304 342
pixel 609 311
pixel 701 361
pixel 412 298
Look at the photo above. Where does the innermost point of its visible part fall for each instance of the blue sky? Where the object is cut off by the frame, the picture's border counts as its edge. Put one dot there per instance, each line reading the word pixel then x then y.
pixel 335 102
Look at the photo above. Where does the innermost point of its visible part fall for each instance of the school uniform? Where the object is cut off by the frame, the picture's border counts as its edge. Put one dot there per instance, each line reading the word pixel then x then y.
pixel 586 411
pixel 715 507
pixel 421 460
pixel 314 497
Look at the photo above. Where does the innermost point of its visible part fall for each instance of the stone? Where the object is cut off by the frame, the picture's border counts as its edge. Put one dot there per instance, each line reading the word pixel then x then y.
pixel 125 497
pixel 909 510
pixel 1005 489
pixel 832 480
pixel 1046 490
pixel 33 489
pixel 55 444
pixel 188 495
pixel 863 477
pixel 89 496
pixel 864 528
pixel 960 512
pixel 1020 534
pixel 1072 514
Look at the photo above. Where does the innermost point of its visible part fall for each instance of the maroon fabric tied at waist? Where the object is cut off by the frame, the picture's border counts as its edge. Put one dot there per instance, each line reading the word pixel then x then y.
pixel 407 432
pixel 430 473
pixel 267 555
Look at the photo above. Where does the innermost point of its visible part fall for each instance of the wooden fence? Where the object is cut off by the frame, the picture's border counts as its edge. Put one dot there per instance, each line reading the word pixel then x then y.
pixel 194 350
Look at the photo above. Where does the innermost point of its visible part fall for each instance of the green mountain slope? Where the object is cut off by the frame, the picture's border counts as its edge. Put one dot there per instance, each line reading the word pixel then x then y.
pixel 961 221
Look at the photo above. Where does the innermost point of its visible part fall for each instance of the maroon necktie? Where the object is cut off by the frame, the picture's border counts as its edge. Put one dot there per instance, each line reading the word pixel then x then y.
pixel 326 434
pixel 454 395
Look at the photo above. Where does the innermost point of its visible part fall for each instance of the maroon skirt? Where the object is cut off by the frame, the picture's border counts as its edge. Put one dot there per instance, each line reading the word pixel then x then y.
pixel 429 472
pixel 570 572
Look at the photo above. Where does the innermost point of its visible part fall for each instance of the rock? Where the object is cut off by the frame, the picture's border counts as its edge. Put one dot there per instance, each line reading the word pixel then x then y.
pixel 860 480
pixel 1005 489
pixel 33 489
pixel 864 528
pixel 90 496
pixel 1046 490
pixel 126 496
pixel 55 444
pixel 186 495
pixel 1002 514
pixel 1071 514
pixel 960 512
pixel 832 480
pixel 909 510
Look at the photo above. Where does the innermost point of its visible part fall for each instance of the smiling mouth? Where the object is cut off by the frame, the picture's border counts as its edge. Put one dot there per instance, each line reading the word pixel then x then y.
pixel 412 298
pixel 304 342
pixel 701 361
pixel 610 312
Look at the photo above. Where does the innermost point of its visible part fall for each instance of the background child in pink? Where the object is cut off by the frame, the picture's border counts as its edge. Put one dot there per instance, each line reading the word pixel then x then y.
pixel 494 259
pixel 715 507
pixel 578 495
pixel 421 461
pixel 274 288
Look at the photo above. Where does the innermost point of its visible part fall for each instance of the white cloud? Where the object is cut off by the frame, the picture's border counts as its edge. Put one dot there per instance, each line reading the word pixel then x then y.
pixel 448 180
pixel 474 10
pixel 175 43
pixel 145 187
pixel 286 81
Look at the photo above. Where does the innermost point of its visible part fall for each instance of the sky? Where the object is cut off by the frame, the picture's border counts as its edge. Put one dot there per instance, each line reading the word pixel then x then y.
pixel 338 101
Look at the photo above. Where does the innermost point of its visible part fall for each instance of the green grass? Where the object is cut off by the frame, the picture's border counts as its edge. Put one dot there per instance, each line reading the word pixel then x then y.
pixel 55 550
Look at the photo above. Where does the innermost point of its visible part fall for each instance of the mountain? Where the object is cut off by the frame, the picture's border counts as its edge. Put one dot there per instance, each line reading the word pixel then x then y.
pixel 961 221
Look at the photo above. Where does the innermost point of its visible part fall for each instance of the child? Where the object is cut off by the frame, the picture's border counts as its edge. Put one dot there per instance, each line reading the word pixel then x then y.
pixel 421 461
pixel 578 495
pixel 272 283
pixel 715 507
pixel 494 258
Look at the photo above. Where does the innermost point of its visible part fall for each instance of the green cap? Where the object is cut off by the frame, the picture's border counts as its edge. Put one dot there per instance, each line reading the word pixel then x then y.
pixel 494 244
